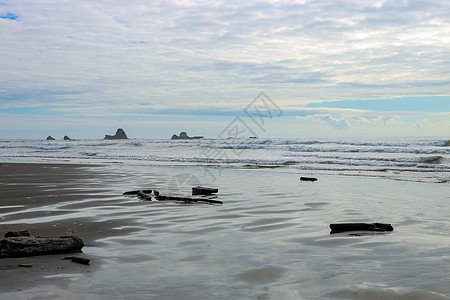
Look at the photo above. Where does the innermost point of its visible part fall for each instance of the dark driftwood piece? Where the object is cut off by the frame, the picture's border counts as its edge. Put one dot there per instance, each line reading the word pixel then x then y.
pixel 308 179
pixel 144 196
pixel 132 193
pixel 187 200
pixel 199 190
pixel 343 227
pixel 34 245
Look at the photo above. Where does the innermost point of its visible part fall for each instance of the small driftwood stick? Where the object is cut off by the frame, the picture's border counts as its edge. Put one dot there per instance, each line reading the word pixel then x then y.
pixel 25 265
pixel 34 245
pixel 78 259
pixel 343 227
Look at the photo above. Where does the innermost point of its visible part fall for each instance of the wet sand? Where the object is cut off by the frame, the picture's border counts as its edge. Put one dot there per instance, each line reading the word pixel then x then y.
pixel 37 197
pixel 269 240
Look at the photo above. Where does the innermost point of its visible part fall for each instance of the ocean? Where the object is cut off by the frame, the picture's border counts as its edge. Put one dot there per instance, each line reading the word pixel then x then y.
pixel 411 159
pixel 270 239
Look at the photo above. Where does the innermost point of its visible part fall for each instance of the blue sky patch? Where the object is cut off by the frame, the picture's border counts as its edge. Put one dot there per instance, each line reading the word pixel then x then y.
pixel 42 110
pixel 9 16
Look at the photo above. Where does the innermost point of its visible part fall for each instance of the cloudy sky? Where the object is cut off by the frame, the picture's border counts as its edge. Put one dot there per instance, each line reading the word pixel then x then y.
pixel 331 67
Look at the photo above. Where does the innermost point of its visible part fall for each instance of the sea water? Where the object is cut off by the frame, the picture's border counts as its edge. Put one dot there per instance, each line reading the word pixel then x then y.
pixel 415 159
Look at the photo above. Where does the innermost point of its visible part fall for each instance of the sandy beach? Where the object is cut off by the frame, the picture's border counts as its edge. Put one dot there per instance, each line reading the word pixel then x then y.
pixel 269 240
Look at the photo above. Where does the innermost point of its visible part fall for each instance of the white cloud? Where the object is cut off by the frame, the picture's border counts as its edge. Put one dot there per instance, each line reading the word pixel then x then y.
pixel 425 123
pixel 110 55
pixel 341 124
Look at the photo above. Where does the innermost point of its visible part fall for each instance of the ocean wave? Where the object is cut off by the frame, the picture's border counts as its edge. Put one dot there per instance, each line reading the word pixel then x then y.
pixel 364 158
pixel 136 144
pixel 78 144
pixel 432 159
pixel 408 163
pixel 434 143
pixel 54 146
pixel 237 146
pixel 373 150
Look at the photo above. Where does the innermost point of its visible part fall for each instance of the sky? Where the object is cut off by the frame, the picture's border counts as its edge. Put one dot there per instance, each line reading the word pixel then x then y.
pixel 321 68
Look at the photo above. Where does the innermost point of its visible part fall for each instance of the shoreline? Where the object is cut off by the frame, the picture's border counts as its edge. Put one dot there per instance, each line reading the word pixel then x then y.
pixel 384 174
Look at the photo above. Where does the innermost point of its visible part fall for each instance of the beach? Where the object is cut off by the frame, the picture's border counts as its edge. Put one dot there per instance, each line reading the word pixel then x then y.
pixel 270 239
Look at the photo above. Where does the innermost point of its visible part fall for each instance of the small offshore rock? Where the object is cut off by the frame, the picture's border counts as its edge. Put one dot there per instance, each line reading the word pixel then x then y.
pixel 184 136
pixel 50 138
pixel 66 138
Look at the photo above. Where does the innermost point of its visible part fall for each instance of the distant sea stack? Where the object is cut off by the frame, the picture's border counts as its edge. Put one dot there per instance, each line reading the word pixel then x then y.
pixel 120 135
pixel 183 136
pixel 66 138
pixel 50 138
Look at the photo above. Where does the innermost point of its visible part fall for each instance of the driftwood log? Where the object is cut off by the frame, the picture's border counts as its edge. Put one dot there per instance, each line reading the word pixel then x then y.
pixel 344 227
pixel 199 190
pixel 187 200
pixel 308 179
pixel 34 245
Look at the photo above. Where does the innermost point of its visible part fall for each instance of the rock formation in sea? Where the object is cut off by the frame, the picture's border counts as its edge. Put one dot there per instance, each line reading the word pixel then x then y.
pixel 120 135
pixel 66 138
pixel 184 136
pixel 50 138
